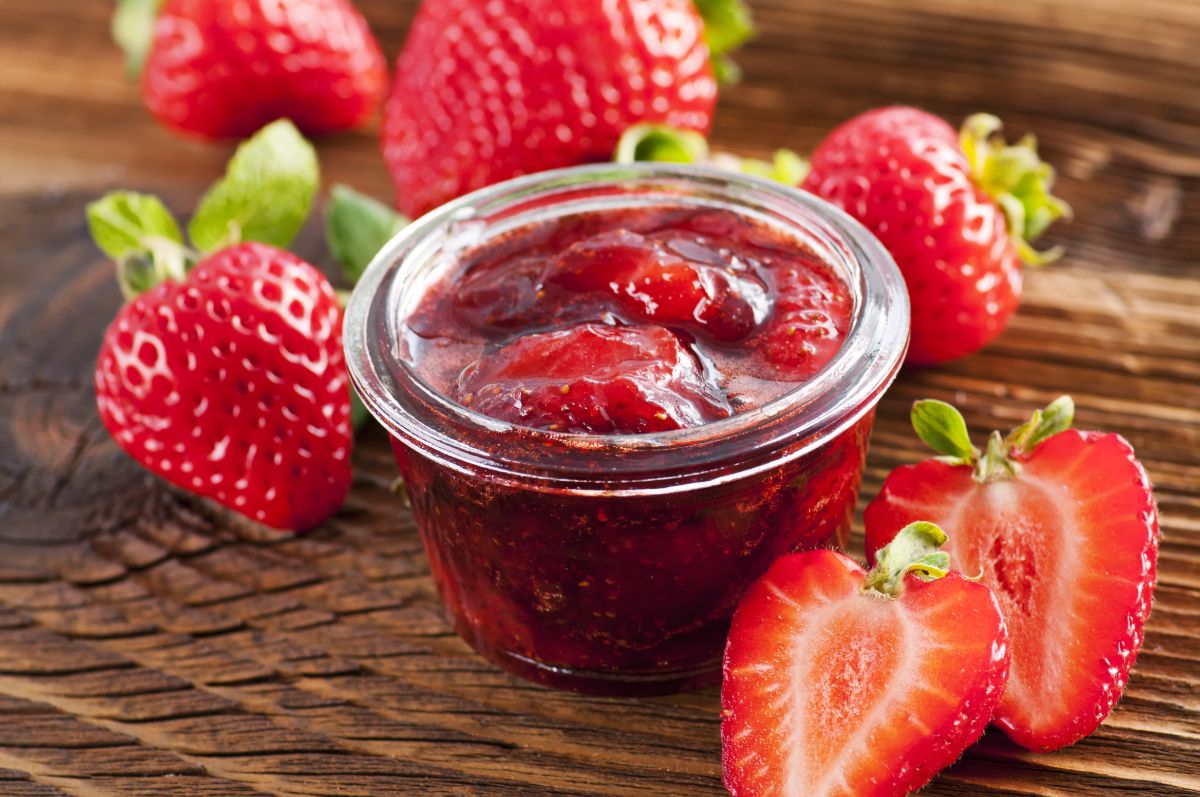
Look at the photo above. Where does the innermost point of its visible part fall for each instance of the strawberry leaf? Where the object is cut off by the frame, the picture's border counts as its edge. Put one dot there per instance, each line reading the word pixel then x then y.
pixel 785 167
pixel 122 221
pixel 1045 423
pixel 356 228
pixel 133 31
pixel 914 549
pixel 727 26
pixel 140 234
pixel 1018 180
pixel 265 194
pixel 650 142
pixel 941 427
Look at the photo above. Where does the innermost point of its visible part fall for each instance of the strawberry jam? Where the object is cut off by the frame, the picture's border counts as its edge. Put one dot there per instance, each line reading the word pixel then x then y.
pixel 630 321
pixel 614 408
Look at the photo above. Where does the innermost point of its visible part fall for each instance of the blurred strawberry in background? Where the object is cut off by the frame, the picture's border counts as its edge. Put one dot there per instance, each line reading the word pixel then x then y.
pixel 485 91
pixel 224 68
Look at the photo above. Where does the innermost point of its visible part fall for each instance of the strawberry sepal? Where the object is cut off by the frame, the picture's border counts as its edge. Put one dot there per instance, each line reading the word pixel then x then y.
pixel 265 195
pixel 133 30
pixel 1018 180
pixel 356 228
pixel 663 144
pixel 1043 424
pixel 727 26
pixel 942 427
pixel 161 261
pixel 140 234
pixel 916 550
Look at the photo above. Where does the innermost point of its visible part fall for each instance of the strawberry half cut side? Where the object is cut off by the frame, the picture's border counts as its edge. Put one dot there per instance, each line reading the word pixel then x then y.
pixel 840 682
pixel 1063 527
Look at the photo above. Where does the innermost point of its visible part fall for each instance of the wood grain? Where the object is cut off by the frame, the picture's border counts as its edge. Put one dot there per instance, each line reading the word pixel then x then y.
pixel 151 645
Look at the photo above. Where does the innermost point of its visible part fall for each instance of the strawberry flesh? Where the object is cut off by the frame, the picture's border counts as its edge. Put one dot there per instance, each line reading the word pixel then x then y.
pixel 678 281
pixel 809 322
pixel 830 690
pixel 594 379
pixel 1069 545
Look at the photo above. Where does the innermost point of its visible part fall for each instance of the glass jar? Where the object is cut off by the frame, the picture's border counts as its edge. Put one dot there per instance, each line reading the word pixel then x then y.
pixel 612 564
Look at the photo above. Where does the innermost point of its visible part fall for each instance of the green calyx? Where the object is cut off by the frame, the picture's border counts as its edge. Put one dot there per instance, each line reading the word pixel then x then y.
pixel 659 143
pixel 140 234
pixel 727 26
pixel 356 228
pixel 915 549
pixel 1018 180
pixel 264 196
pixel 941 427
pixel 133 30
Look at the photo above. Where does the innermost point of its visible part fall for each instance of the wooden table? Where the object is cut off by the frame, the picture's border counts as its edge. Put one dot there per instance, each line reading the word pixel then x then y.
pixel 148 646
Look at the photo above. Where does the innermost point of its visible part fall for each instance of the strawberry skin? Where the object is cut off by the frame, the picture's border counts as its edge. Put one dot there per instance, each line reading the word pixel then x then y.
pixel 829 690
pixel 224 69
pixel 1069 545
pixel 485 91
pixel 903 173
pixel 232 384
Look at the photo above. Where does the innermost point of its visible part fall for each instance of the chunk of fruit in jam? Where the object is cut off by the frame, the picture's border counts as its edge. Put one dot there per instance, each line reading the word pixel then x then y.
pixel 811 314
pixel 594 379
pixel 678 281
pixel 653 319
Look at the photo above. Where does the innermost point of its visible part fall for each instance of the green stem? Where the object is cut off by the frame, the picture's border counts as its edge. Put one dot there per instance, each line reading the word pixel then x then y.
pixel 915 549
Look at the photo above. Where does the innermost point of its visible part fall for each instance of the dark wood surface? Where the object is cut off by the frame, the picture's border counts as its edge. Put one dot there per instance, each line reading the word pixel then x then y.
pixel 151 646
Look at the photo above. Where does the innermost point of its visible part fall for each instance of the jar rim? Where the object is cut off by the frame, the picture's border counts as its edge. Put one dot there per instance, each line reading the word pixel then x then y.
pixel 831 400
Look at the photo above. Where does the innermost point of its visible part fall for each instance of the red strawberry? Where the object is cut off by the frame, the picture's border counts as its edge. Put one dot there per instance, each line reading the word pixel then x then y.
pixel 594 379
pixel 232 384
pixel 228 378
pixel 840 682
pixel 956 214
pixel 1063 526
pixel 485 91
pixel 217 68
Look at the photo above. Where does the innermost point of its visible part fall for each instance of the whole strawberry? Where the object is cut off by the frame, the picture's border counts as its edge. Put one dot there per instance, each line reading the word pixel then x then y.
pixel 842 682
pixel 486 90
pixel 1062 525
pixel 957 214
pixel 225 68
pixel 227 378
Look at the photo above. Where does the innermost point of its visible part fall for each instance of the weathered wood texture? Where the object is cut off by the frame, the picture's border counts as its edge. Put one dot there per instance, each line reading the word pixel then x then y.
pixel 148 646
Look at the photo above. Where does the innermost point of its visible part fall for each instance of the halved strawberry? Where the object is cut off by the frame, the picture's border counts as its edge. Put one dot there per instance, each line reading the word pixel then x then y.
pixel 840 682
pixel 1062 524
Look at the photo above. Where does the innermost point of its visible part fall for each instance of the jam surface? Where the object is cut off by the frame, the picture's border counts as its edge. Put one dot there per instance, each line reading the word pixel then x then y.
pixel 631 321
